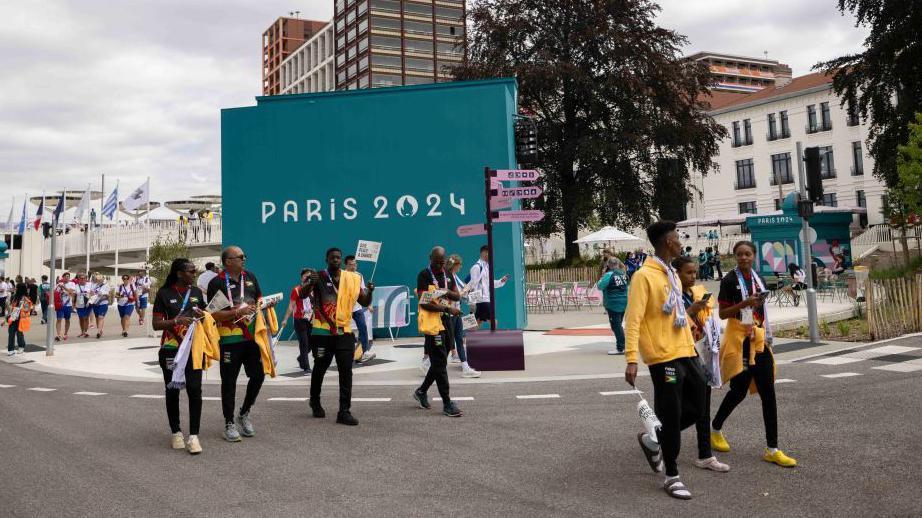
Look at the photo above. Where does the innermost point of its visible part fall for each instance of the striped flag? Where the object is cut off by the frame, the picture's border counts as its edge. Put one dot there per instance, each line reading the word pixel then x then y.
pixel 38 214
pixel 111 205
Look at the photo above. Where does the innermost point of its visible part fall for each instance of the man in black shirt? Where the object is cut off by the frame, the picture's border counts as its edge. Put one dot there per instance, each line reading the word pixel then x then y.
pixel 435 328
pixel 237 329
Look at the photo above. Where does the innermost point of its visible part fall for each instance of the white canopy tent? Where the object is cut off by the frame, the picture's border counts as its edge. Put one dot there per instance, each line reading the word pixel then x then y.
pixel 607 234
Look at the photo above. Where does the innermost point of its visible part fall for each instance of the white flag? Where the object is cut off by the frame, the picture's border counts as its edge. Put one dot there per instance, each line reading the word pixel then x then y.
pixel 83 208
pixel 9 220
pixel 138 197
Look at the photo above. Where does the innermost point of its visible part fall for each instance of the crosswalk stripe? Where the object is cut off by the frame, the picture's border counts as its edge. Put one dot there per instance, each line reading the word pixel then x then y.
pixel 868 354
pixel 619 392
pixel 42 389
pixel 89 393
pixel 841 375
pixel 7 386
pixel 907 366
pixel 148 396
pixel 370 399
pixel 784 380
pixel 288 399
pixel 462 398
pixel 538 396
pixel 211 398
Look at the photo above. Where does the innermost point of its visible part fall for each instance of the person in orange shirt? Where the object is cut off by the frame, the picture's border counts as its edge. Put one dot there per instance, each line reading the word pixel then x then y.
pixel 19 320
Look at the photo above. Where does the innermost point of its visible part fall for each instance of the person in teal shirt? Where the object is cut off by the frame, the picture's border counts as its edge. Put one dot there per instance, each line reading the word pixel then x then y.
pixel 613 286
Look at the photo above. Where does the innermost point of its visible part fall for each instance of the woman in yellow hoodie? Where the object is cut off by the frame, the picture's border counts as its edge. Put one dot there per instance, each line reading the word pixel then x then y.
pixel 746 359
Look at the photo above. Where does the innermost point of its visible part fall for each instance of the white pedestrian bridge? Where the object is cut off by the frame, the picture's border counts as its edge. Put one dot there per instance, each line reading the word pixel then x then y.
pixel 131 239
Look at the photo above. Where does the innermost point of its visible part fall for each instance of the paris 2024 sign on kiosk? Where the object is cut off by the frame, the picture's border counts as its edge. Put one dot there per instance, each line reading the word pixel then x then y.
pixel 401 166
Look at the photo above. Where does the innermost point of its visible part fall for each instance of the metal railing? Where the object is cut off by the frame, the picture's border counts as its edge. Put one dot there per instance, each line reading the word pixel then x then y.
pixel 132 236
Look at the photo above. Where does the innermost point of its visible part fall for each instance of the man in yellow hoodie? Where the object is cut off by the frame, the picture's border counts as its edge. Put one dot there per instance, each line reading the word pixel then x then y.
pixel 657 327
pixel 334 293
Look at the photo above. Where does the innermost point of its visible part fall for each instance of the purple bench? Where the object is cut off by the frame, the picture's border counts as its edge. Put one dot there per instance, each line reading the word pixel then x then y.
pixel 501 350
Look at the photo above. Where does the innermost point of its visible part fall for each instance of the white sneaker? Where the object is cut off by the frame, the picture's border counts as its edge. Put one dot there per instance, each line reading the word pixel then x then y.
pixel 20 351
pixel 10 353
pixel 368 356
pixel 712 464
pixel 193 446
pixel 454 358
pixel 469 372
pixel 177 441
pixel 424 366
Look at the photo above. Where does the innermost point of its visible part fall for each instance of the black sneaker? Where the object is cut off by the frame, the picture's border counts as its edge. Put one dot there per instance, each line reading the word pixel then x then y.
pixel 318 411
pixel 422 399
pixel 452 410
pixel 346 419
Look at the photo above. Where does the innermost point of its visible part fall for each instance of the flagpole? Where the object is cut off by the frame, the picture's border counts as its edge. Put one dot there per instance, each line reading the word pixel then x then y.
pixel 116 232
pixel 22 235
pixel 41 249
pixel 63 231
pixel 87 231
pixel 51 322
pixel 147 250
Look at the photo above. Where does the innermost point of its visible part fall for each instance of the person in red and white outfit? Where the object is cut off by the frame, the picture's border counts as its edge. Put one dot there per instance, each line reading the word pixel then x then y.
pixel 299 306
pixel 125 296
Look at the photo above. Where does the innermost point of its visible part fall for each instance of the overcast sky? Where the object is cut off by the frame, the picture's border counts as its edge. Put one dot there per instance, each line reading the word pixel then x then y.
pixel 133 88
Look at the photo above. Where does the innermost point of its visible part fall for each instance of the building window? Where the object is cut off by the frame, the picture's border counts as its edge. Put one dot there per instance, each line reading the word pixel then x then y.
pixel 777 203
pixel 340 42
pixel 340 5
pixel 737 140
pixel 390 24
pixel 747 132
pixel 449 30
pixel 378 60
pixel 363 7
pixel 417 27
pixel 829 199
pixel 363 63
pixel 748 207
pixel 386 5
pixel 448 13
pixel 825 119
pixel 426 65
pixel 363 26
pixel 785 129
pixel 350 53
pixel 861 201
pixel 448 48
pixel 417 80
pixel 424 46
pixel 858 157
pixel 745 174
pixel 772 134
pixel 781 169
pixel 381 80
pixel 811 119
pixel 827 165
pixel 852 112
pixel 385 42
pixel 417 9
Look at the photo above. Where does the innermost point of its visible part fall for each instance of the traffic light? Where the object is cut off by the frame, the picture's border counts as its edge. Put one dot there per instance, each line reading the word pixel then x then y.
pixel 526 140
pixel 814 175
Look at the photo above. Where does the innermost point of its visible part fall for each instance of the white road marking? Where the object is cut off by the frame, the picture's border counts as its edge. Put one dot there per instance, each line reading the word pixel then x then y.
pixel 841 375
pixel 370 399
pixel 868 354
pixel 89 393
pixel 287 399
pixel 148 396
pixel 211 398
pixel 7 386
pixel 462 398
pixel 619 392
pixel 42 389
pixel 907 366
pixel 784 380
pixel 538 396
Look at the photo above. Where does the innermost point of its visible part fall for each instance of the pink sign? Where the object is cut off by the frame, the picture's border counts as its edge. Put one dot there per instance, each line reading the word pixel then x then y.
pixel 512 193
pixel 472 230
pixel 510 216
pixel 517 175
pixel 496 203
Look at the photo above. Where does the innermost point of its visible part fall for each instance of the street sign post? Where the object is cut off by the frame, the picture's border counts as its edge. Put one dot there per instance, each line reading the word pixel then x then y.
pixel 511 216
pixel 478 229
pixel 516 175
pixel 514 193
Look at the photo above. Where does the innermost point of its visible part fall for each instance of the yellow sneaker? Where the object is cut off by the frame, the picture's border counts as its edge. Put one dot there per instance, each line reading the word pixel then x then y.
pixel 177 441
pixel 779 458
pixel 719 442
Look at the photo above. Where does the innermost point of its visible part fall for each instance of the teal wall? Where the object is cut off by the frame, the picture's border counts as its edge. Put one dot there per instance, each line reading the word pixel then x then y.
pixel 364 156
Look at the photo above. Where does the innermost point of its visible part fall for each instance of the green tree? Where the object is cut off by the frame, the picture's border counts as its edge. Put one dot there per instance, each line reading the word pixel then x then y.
pixel 883 84
pixel 909 165
pixel 611 96
pixel 162 253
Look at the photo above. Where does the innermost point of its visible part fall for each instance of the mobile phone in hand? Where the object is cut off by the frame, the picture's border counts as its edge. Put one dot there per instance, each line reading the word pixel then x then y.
pixel 706 297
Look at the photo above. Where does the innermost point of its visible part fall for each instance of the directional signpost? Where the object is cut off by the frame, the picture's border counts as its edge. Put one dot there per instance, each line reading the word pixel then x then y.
pixel 510 216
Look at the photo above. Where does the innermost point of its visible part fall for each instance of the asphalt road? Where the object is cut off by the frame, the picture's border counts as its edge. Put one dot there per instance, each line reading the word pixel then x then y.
pixel 63 454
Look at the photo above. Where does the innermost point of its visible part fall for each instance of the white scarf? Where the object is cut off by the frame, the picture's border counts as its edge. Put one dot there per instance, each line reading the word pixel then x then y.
pixel 182 358
pixel 744 290
pixel 674 300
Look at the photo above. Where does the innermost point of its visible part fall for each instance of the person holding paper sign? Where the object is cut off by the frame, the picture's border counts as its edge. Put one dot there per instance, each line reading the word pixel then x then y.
pixel 434 325
pixel 177 303
pixel 459 355
pixel 335 292
pixel 480 279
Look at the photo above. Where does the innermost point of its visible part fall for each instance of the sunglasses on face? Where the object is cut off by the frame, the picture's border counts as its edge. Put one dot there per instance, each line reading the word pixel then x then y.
pixel 241 257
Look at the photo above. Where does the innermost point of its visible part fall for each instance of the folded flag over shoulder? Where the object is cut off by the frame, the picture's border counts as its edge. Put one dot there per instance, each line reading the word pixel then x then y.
pixel 138 197
pixel 38 214
pixel 111 205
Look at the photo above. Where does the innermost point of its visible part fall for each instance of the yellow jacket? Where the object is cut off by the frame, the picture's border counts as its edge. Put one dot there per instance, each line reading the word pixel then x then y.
pixel 731 350
pixel 205 346
pixel 348 291
pixel 264 332
pixel 648 329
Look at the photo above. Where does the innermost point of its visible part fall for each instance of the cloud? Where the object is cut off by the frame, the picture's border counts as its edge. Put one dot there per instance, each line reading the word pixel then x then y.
pixel 134 88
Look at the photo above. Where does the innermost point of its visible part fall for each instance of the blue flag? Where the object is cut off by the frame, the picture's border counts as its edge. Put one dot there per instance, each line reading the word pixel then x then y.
pixel 111 205
pixel 58 209
pixel 22 220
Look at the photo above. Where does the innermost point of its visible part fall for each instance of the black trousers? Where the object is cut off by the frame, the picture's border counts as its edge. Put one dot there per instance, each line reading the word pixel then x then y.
pixel 678 400
pixel 325 348
pixel 436 346
pixel 193 390
pixel 232 357
pixel 303 329
pixel 15 337
pixel 703 426
pixel 763 373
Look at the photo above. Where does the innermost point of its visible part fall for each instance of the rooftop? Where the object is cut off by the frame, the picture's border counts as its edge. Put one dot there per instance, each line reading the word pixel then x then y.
pixel 722 102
